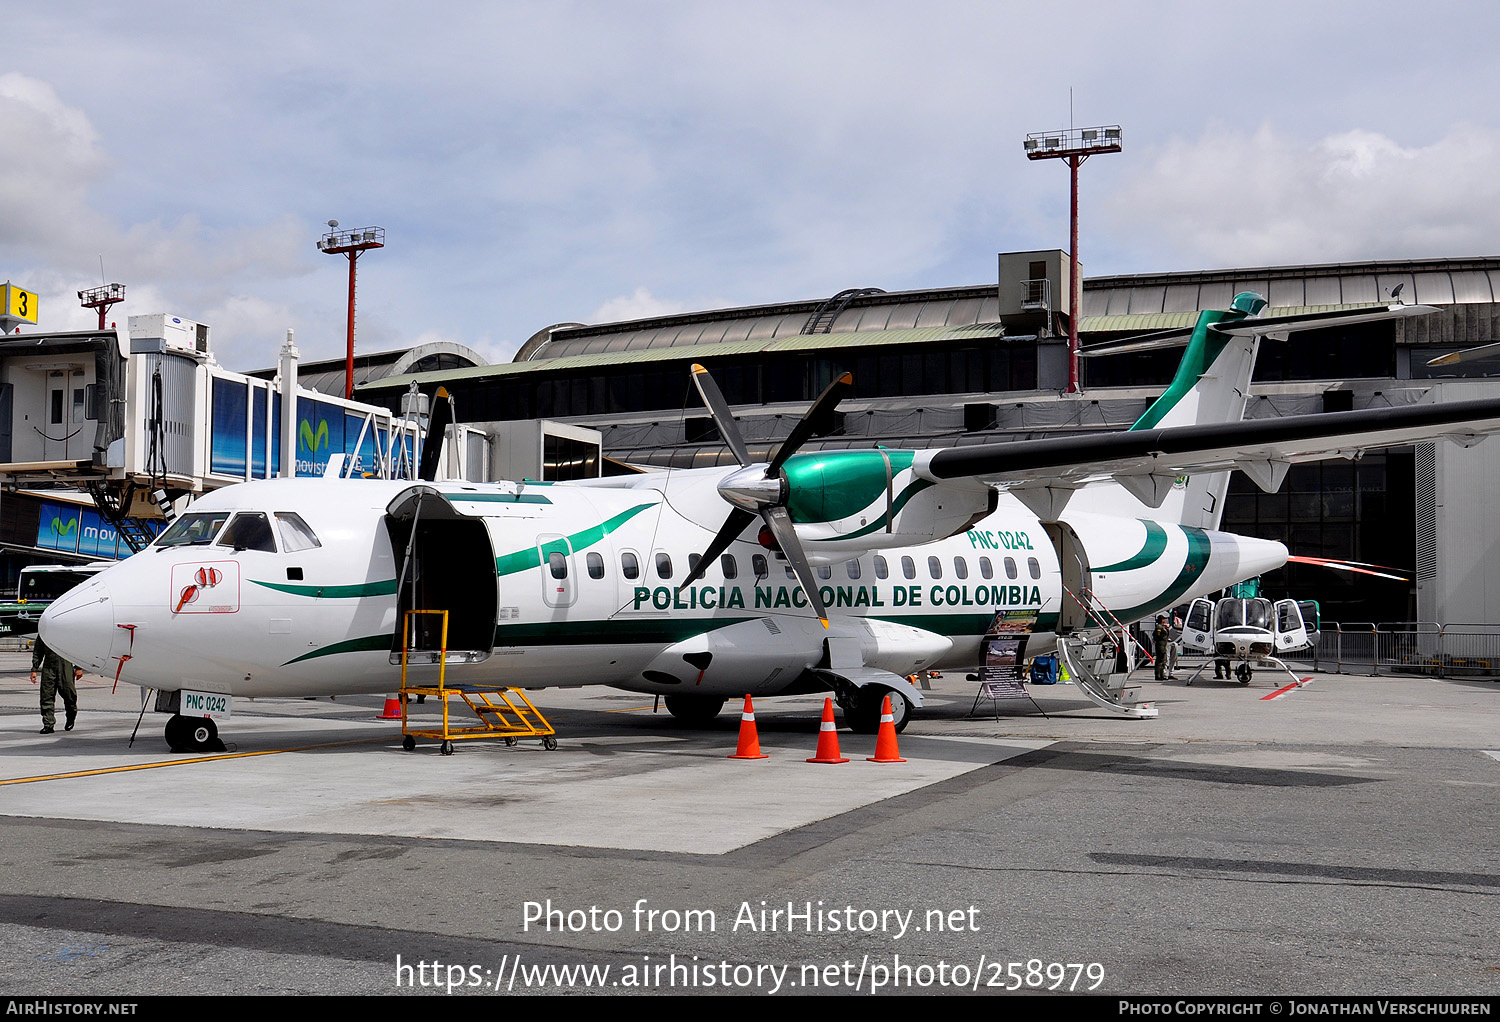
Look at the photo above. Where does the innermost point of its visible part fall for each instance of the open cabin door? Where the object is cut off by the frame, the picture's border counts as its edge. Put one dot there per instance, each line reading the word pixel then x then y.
pixel 446 563
pixel 1291 630
pixel 1198 628
pixel 1077 580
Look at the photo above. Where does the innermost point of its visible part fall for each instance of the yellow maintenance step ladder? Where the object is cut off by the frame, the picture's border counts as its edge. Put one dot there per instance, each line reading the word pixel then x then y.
pixel 502 712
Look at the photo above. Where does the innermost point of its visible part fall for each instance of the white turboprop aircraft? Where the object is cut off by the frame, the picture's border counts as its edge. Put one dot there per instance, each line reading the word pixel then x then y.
pixel 836 570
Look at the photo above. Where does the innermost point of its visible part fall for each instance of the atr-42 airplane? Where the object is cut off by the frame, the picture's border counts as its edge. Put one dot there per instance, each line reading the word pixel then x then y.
pixel 843 571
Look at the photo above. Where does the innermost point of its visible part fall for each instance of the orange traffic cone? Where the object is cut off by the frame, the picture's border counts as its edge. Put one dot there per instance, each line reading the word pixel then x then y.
pixel 749 747
pixel 885 741
pixel 392 709
pixel 828 738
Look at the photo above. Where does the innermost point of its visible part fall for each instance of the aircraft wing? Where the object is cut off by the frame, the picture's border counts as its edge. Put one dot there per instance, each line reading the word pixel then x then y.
pixel 1147 461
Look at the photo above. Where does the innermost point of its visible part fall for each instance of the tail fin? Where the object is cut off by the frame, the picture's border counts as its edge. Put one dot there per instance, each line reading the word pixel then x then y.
pixel 1212 385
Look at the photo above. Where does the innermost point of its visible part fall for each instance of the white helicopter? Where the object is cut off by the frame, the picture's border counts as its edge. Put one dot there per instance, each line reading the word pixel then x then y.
pixel 841 571
pixel 1250 630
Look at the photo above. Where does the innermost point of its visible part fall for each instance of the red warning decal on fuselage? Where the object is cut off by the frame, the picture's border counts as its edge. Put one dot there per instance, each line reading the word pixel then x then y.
pixel 212 588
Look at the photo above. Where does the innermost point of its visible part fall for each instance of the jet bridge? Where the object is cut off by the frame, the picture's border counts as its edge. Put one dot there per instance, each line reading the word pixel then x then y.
pixel 147 416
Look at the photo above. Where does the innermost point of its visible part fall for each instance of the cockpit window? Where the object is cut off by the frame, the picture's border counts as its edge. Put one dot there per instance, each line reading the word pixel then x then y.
pixel 249 531
pixel 295 534
pixel 199 527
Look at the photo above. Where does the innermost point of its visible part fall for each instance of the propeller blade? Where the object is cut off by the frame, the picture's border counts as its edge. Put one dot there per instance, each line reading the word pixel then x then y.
pixel 718 408
pixel 786 537
pixel 817 420
pixel 728 533
pixel 437 425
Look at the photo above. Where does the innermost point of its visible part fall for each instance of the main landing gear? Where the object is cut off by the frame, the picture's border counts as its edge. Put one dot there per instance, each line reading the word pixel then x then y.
pixel 863 714
pixel 193 734
pixel 694 709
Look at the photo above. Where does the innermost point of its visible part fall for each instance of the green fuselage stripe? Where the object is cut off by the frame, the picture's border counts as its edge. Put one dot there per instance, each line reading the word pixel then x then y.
pixel 1156 542
pixel 531 557
pixel 385 587
pixel 1199 548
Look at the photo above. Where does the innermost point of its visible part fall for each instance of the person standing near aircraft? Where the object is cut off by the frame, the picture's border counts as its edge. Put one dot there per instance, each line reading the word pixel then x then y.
pixel 1161 638
pixel 57 675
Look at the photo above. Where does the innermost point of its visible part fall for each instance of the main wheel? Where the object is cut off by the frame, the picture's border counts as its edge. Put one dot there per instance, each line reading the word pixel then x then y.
pixel 864 716
pixel 694 709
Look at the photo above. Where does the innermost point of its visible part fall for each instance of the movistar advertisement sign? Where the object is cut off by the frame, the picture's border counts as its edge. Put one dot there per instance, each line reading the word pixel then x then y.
pixel 78 530
pixel 247 434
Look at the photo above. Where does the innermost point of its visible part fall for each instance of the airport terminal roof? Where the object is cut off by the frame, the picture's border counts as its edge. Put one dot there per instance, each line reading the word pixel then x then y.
pixel 1119 304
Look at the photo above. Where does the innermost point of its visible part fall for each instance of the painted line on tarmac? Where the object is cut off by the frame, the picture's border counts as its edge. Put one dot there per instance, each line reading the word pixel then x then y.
pixel 183 762
pixel 1283 690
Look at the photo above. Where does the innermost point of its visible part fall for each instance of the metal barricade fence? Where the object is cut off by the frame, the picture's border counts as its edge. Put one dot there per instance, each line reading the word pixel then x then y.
pixel 1407 647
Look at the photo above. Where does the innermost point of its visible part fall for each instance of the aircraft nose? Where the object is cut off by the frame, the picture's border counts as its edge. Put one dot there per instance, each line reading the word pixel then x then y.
pixel 79 626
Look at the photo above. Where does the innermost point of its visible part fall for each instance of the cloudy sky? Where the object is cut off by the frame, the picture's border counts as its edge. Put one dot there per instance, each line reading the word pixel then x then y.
pixel 534 163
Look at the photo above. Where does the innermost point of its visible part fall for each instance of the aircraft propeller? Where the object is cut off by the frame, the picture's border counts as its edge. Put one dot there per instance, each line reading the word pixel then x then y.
pixel 437 425
pixel 760 489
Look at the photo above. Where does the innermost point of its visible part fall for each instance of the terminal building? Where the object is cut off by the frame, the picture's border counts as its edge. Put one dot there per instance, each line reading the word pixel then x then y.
pixel 988 362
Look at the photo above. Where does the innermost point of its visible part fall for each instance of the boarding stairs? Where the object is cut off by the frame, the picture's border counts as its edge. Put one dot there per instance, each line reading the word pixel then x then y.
pixel 1101 656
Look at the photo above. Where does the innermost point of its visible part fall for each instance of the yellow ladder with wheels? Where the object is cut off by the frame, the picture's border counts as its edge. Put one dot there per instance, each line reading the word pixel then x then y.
pixel 502 712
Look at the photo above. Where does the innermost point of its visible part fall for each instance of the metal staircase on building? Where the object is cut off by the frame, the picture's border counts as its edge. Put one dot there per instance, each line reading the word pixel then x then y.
pixel 115 509
pixel 821 320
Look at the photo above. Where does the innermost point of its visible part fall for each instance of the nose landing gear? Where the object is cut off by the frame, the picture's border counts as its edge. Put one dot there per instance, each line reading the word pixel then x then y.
pixel 193 734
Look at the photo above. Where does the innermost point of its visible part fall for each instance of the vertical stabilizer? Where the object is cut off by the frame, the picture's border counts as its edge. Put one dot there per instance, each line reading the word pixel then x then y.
pixel 1212 385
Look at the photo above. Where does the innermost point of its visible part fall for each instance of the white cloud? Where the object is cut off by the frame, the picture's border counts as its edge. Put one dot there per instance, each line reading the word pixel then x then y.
pixel 639 305
pixel 1234 199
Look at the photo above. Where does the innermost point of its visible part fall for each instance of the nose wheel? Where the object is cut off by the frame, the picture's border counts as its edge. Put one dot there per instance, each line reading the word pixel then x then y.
pixel 193 734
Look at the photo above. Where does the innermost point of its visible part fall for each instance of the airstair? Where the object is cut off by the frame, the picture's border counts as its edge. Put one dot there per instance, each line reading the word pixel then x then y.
pixel 1101 657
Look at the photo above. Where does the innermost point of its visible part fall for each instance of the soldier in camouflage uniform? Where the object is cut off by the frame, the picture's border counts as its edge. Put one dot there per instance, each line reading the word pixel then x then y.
pixel 57 675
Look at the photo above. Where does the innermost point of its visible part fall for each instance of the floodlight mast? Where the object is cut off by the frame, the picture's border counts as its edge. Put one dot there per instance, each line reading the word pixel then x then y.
pixel 350 243
pixel 101 298
pixel 1073 145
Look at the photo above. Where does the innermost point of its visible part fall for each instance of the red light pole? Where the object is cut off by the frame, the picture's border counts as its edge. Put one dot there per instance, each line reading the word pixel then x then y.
pixel 350 243
pixel 1074 145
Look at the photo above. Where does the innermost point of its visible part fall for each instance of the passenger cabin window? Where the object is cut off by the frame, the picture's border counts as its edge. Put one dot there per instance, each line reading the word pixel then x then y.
pixel 908 567
pixel 852 568
pixel 882 570
pixel 759 566
pixel 693 560
pixel 557 563
pixel 986 569
pixel 200 527
pixel 1034 566
pixel 630 565
pixel 249 530
pixel 295 534
pixel 825 571
pixel 663 565
pixel 1010 568
pixel 960 568
pixel 595 565
pixel 729 566
pixel 934 568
